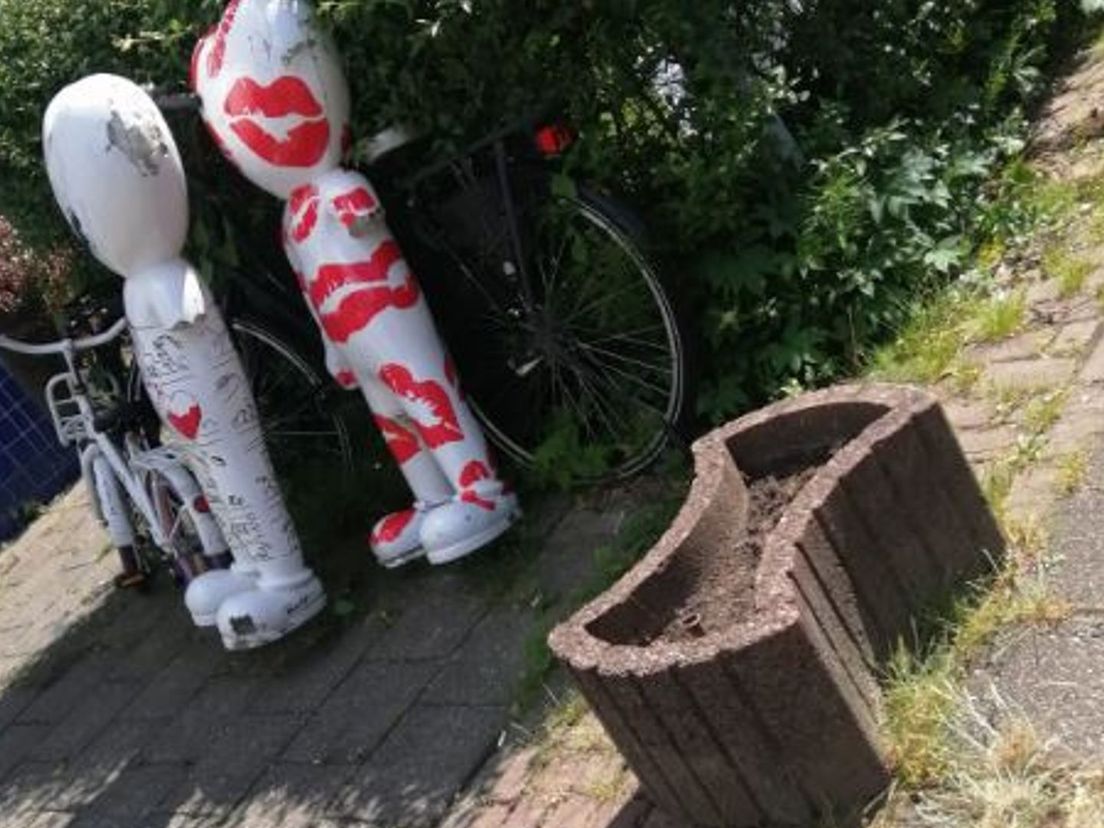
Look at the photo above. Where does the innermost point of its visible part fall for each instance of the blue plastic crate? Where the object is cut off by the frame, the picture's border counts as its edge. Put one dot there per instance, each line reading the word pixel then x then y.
pixel 34 468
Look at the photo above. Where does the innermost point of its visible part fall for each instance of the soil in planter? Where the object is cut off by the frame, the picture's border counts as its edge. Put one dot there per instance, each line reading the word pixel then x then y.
pixel 723 594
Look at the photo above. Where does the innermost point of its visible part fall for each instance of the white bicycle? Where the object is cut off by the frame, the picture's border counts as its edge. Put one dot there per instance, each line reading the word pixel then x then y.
pixel 144 495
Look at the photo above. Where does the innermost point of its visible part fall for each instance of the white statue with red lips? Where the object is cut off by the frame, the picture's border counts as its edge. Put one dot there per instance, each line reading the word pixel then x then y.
pixel 276 101
pixel 117 175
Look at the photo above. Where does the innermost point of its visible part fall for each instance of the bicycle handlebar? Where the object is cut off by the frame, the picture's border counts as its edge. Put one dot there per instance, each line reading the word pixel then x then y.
pixel 62 345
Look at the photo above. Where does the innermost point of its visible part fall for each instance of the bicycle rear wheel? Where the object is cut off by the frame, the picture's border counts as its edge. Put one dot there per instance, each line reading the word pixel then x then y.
pixel 582 373
pixel 295 402
pixel 183 548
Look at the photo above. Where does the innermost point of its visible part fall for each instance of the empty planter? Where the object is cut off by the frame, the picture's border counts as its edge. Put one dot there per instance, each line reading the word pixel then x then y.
pixel 735 665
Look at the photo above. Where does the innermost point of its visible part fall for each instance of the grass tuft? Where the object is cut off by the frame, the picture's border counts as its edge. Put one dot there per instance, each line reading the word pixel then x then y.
pixel 1000 317
pixel 1069 270
pixel 1044 410
pixel 1072 471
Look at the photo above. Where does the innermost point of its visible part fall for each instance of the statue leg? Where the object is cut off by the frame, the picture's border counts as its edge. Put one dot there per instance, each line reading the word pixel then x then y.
pixel 402 349
pixel 396 538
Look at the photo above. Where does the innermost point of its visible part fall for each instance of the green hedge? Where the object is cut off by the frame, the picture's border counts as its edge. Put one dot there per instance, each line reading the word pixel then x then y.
pixel 791 266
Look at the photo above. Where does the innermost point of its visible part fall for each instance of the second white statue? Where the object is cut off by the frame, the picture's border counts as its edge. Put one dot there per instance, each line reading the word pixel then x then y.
pixel 117 175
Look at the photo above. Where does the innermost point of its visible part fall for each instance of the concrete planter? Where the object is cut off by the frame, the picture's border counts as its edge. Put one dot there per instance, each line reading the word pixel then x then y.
pixel 767 713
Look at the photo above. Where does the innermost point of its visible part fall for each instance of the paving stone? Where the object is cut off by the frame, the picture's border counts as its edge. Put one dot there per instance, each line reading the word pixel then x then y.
pixel 1030 374
pixel 188 821
pixel 987 443
pixel 13 701
pixel 66 692
pixel 967 414
pixel 230 764
pixel 157 648
pixel 136 793
pixel 1074 337
pixel 1093 369
pixel 177 682
pixel 361 711
pixel 486 669
pixel 508 780
pixel 474 816
pixel 574 811
pixel 303 683
pixel 567 557
pixel 1027 345
pixel 1033 493
pixel 16 741
pixel 49 820
pixel 206 717
pixel 32 787
pixel 291 796
pixel 438 619
pixel 526 814
pixel 416 773
pixel 1043 293
pixel 91 715
pixel 1074 432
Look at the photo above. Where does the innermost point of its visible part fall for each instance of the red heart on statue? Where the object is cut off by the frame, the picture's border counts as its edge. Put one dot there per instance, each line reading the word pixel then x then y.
pixel 188 422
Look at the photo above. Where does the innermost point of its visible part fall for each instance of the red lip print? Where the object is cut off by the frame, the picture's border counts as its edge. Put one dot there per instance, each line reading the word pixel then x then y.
pixel 357 310
pixel 303 212
pixel 346 379
pixel 401 442
pixel 354 205
pixel 218 48
pixel 392 527
pixel 188 422
pixel 446 429
pixel 331 277
pixel 472 473
pixel 360 307
pixel 197 50
pixel 305 143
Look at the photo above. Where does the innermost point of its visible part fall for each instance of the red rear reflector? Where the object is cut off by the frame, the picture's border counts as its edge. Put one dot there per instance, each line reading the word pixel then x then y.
pixel 201 505
pixel 552 140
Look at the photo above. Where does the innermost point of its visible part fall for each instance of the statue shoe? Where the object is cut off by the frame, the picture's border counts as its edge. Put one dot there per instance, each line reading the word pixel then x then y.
pixel 468 522
pixel 261 616
pixel 397 538
pixel 206 592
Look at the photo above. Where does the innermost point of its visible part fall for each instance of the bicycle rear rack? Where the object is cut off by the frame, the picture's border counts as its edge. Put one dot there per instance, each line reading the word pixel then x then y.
pixel 69 421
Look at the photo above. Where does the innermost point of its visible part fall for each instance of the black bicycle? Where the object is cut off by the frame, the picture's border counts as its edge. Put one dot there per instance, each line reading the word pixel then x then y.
pixel 570 348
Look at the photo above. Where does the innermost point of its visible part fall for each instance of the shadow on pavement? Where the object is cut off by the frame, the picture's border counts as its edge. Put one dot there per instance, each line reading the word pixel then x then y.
pixel 382 714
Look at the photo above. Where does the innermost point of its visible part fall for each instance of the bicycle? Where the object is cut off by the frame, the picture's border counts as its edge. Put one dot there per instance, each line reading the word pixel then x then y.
pixel 125 475
pixel 568 343
pixel 570 347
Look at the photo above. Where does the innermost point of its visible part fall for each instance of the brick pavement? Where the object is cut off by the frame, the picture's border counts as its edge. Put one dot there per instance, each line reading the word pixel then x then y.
pixel 115 711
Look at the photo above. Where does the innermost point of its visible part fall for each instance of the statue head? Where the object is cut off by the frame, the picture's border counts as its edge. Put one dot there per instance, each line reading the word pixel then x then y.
pixel 274 96
pixel 116 173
